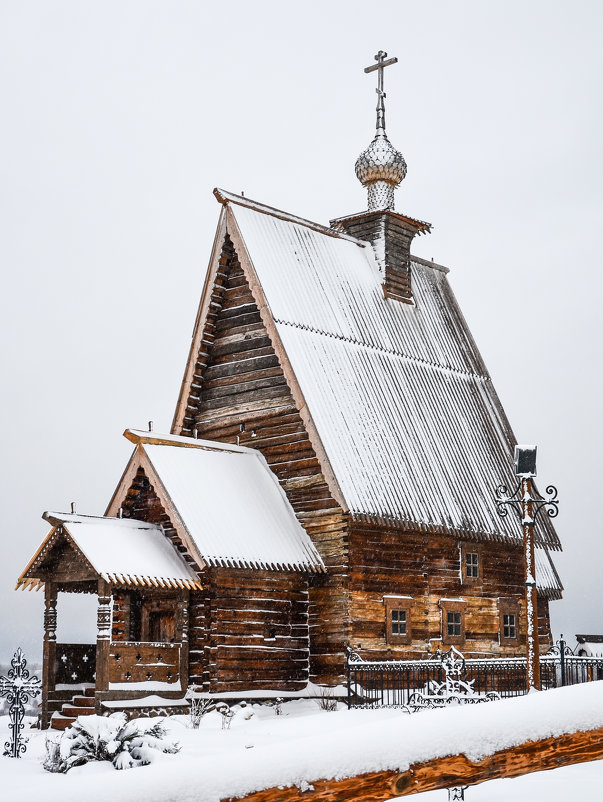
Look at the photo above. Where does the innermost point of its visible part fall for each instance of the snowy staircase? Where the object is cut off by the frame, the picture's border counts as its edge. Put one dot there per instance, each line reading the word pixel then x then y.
pixel 78 706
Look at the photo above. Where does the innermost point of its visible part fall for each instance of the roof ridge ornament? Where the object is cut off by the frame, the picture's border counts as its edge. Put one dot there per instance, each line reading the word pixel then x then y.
pixel 380 168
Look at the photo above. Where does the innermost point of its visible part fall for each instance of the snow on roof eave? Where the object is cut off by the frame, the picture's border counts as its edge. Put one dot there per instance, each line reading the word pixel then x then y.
pixel 406 524
pixel 64 520
pixel 225 197
pixel 60 518
pixel 422 226
pixel 138 580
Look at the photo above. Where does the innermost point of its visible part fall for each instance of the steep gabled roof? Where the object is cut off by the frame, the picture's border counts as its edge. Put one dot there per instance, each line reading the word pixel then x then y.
pixel 400 408
pixel 224 502
pixel 119 550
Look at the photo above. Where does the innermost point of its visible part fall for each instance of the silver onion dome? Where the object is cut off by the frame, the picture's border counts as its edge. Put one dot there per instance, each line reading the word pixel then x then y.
pixel 381 162
pixel 380 168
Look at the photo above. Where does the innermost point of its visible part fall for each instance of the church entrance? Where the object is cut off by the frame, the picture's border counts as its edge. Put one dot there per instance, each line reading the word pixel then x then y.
pixel 162 626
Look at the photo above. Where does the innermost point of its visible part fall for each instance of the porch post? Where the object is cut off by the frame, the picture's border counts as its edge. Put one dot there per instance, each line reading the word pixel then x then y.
pixel 182 628
pixel 49 649
pixel 103 636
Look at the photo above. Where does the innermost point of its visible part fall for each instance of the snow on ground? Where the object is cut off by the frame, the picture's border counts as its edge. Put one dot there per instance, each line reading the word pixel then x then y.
pixel 263 750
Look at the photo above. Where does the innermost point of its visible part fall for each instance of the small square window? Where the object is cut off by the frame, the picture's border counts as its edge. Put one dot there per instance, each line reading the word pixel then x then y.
pixel 509 625
pixel 454 621
pixel 471 564
pixel 398 619
pixel 398 622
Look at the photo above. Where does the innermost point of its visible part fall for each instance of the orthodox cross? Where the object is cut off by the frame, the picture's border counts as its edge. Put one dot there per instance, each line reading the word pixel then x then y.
pixel 382 63
pixel 18 687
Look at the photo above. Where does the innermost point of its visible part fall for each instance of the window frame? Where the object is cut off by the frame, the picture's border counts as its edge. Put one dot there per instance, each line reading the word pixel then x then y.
pixel 401 603
pixel 471 548
pixel 508 607
pixel 452 606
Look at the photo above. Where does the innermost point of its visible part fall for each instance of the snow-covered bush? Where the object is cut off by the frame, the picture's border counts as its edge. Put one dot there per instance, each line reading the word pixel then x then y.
pixel 326 699
pixel 198 708
pixel 125 744
pixel 227 714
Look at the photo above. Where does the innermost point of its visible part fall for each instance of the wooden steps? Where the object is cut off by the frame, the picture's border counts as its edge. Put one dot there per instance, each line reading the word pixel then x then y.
pixel 80 705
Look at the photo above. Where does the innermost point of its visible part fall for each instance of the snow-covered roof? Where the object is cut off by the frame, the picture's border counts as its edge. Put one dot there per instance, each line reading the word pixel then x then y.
pixel 547 578
pixel 121 550
pixel 225 500
pixel 402 402
pixel 590 645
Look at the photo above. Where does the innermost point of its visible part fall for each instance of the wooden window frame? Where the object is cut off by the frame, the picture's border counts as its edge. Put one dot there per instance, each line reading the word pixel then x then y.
pixel 471 548
pixel 405 604
pixel 453 606
pixel 508 607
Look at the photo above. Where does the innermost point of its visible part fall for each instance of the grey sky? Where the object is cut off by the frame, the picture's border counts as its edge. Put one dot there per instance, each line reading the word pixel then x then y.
pixel 118 119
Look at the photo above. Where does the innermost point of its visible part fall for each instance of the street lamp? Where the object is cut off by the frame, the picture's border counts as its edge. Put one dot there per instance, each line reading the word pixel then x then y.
pixel 528 502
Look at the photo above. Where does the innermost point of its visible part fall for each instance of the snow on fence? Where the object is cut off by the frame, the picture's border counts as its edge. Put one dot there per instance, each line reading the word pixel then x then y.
pixel 394 683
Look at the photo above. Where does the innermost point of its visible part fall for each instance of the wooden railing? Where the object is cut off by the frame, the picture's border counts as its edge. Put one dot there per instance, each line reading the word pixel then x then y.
pixel 75 664
pixel 132 663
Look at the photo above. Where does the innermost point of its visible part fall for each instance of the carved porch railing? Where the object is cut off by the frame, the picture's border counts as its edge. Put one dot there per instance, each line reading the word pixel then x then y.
pixel 75 664
pixel 131 663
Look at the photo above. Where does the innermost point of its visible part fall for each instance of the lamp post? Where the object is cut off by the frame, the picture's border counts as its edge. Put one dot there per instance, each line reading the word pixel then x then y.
pixel 528 502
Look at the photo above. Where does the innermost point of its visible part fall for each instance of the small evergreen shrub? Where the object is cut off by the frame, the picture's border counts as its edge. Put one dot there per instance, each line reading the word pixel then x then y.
pixel 125 744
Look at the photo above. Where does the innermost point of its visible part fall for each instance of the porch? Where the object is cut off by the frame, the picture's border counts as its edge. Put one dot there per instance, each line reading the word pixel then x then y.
pixel 132 671
pixel 142 585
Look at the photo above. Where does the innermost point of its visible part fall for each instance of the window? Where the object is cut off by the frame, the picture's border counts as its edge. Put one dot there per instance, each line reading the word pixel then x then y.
pixel 509 621
pixel 471 568
pixel 471 564
pixel 509 625
pixel 453 620
pixel 398 622
pixel 397 619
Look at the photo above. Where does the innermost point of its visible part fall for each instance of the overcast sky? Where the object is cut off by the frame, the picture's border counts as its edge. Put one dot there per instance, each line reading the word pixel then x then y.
pixel 119 118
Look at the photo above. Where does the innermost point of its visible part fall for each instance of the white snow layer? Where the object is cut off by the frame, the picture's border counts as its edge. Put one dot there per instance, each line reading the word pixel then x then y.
pixel 399 394
pixel 233 507
pixel 262 750
pixel 121 546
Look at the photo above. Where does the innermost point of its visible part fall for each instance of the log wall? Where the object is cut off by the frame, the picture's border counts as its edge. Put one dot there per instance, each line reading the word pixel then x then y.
pixel 255 632
pixel 427 568
pixel 240 395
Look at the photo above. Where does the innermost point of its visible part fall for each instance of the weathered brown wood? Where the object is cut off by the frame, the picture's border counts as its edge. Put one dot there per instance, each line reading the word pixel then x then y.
pixel 551 753
pixel 144 662
pixel 49 650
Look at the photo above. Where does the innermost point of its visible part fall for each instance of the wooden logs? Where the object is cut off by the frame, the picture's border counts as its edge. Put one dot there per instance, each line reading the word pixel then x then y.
pixel 446 772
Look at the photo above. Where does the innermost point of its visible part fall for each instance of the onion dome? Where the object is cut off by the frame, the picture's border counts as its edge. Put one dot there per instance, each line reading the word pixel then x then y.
pixel 380 168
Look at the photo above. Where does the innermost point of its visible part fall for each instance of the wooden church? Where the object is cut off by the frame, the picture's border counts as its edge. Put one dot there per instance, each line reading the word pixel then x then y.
pixel 328 481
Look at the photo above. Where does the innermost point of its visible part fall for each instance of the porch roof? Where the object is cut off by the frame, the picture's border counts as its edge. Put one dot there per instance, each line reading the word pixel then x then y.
pixel 122 551
pixel 224 502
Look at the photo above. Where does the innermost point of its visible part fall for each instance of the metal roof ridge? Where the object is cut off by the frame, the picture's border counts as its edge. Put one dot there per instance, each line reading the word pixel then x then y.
pixel 225 197
pixel 382 350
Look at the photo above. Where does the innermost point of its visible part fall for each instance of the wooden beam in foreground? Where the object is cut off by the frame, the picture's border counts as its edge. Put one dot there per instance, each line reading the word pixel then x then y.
pixel 578 747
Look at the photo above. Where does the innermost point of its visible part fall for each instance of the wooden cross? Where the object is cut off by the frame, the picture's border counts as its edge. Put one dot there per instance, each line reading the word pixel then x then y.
pixel 18 687
pixel 382 63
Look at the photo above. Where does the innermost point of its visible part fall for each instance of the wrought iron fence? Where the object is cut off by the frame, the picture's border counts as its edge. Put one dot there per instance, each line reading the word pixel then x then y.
pixel 393 683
